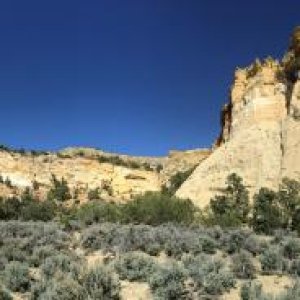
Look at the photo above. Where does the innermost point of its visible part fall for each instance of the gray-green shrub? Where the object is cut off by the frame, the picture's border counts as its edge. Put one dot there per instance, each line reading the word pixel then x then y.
pixel 61 288
pixel 16 277
pixel 134 266
pixel 272 261
pixel 167 283
pixel 243 266
pixel 5 294
pixel 102 283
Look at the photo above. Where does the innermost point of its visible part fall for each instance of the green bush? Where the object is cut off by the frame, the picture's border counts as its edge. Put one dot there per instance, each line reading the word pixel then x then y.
pixel 217 283
pixel 291 248
pixel 16 277
pixel 94 194
pixel 289 201
pixel 176 181
pixel 98 212
pixel 5 294
pixel 155 208
pixel 36 210
pixel 61 263
pixel 39 254
pixel 231 208
pixel 61 288
pixel 59 190
pixel 134 266
pixel 101 283
pixel 267 214
pixel 295 267
pixel 10 208
pixel 167 283
pixel 272 261
pixel 27 208
pixel 242 265
pixel 209 274
pixel 234 240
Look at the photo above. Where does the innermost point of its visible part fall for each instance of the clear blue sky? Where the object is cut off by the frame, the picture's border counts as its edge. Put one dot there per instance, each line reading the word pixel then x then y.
pixel 131 76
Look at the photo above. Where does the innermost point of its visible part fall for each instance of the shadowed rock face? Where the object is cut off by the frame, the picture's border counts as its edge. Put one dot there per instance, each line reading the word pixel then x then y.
pixel 260 138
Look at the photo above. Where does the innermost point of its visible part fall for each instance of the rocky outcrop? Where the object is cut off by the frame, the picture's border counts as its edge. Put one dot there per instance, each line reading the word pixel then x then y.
pixel 260 136
pixel 119 177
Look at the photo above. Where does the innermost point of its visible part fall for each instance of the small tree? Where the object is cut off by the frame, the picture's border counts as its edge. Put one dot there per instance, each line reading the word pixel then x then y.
pixel 59 191
pixel 94 194
pixel 176 181
pixel 232 207
pixel 289 201
pixel 267 214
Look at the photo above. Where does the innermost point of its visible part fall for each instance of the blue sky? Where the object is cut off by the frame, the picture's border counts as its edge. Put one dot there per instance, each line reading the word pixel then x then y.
pixel 138 77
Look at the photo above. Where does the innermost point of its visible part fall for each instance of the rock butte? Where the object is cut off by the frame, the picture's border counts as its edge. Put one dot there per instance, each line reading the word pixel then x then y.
pixel 260 137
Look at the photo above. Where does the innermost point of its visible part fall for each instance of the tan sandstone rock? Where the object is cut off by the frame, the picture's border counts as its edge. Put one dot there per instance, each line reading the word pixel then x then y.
pixel 260 136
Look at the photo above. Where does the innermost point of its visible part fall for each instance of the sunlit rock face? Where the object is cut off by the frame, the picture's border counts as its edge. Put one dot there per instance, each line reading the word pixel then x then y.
pixel 83 171
pixel 260 136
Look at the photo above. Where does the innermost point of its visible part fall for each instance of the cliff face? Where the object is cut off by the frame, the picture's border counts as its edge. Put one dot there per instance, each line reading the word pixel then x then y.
pixel 119 177
pixel 260 137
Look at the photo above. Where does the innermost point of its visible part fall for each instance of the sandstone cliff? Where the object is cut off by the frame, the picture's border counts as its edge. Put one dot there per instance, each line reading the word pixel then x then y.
pixel 119 177
pixel 260 136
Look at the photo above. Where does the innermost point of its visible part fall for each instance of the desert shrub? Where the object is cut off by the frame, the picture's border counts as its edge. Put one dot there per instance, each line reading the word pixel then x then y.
pixel 289 201
pixel 3 261
pixel 26 208
pixel 5 294
pixel 101 283
pixel 119 161
pixel 253 245
pixel 174 240
pixel 12 252
pixel 253 291
pixel 272 261
pixel 295 267
pixel 291 248
pixel 16 277
pixel 134 266
pixel 61 263
pixel 176 181
pixel 98 212
pixel 291 294
pixel 59 190
pixel 8 182
pixel 156 208
pixel 39 254
pixel 209 274
pixel 36 210
pixel 168 283
pixel 234 240
pixel 231 208
pixel 29 235
pixel 62 288
pixel 242 265
pixel 177 240
pixel 94 194
pixel 208 245
pixel 216 283
pixel 267 214
pixel 10 208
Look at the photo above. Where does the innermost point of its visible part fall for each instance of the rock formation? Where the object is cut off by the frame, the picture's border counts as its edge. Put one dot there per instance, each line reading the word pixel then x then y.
pixel 119 177
pixel 260 136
